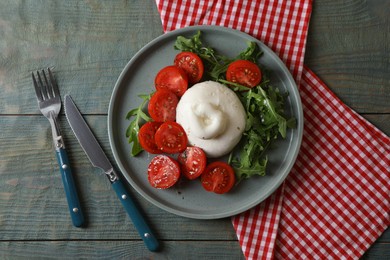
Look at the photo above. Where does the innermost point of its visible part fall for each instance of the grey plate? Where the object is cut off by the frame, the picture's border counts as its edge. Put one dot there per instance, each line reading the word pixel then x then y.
pixel 188 198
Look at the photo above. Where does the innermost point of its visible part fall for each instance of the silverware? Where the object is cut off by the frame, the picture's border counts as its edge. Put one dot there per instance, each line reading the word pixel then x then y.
pixel 98 159
pixel 49 102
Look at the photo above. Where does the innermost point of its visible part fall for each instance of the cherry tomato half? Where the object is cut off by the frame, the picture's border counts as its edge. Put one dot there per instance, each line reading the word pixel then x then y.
pixel 192 162
pixel 170 137
pixel 244 72
pixel 172 78
pixel 146 136
pixel 163 172
pixel 162 106
pixel 191 64
pixel 218 177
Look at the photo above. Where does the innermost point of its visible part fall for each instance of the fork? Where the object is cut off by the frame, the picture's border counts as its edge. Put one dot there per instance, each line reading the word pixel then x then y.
pixel 49 102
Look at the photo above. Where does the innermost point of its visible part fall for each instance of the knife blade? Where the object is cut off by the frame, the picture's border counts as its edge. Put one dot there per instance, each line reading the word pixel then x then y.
pixel 99 159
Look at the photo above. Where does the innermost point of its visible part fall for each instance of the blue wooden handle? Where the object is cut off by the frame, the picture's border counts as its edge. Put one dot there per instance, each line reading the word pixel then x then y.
pixel 70 188
pixel 139 222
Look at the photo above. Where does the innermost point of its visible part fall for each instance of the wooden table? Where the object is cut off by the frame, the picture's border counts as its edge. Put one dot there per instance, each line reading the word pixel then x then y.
pixel 88 43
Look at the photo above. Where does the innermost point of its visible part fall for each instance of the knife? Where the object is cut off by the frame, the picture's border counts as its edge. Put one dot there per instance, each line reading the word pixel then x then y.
pixel 98 159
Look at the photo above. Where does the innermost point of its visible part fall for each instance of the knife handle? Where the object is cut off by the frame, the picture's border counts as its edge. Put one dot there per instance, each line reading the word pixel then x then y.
pixel 138 220
pixel 70 188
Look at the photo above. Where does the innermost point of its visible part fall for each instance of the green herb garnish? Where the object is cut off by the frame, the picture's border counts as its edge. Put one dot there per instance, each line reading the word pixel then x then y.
pixel 132 130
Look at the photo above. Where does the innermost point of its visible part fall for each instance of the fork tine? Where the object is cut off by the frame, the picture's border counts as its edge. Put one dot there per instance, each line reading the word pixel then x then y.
pixel 49 87
pixel 38 90
pixel 43 86
pixel 53 83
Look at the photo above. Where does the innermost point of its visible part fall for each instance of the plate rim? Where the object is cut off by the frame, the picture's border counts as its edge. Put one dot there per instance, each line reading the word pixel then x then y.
pixel 177 32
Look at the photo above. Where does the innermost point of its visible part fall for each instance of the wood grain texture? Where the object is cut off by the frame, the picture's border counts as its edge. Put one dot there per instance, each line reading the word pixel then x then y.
pixel 119 250
pixel 349 48
pixel 88 43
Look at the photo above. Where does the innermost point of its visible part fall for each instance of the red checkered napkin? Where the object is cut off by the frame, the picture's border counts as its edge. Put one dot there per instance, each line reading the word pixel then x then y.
pixel 336 198
pixel 335 202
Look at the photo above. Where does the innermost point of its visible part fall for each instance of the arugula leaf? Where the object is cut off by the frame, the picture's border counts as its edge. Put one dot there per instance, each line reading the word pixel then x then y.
pixel 134 126
pixel 189 44
pixel 245 172
pixel 252 53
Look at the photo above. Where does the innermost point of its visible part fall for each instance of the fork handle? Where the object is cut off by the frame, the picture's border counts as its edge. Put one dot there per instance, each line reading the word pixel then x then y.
pixel 70 188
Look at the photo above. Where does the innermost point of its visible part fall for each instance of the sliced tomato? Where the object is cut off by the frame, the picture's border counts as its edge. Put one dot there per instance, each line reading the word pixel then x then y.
pixel 146 136
pixel 170 137
pixel 163 172
pixel 218 177
pixel 192 64
pixel 244 72
pixel 162 106
pixel 192 162
pixel 172 78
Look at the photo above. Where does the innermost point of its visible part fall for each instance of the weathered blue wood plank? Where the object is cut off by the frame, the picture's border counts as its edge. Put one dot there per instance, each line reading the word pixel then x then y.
pixel 87 44
pixel 348 47
pixel 119 250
